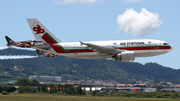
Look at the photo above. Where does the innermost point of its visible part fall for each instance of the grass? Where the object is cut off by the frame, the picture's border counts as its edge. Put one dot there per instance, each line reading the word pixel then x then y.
pixel 51 97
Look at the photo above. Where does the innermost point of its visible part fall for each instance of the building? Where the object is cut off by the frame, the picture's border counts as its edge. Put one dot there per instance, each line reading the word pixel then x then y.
pixel 150 89
pixel 134 89
pixel 124 85
pixel 170 89
pixel 16 69
pixel 47 78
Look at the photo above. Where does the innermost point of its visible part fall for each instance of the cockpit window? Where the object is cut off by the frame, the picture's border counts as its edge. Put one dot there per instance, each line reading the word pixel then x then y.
pixel 166 44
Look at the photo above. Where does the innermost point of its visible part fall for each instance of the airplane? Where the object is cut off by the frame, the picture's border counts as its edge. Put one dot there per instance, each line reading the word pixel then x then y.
pixel 24 44
pixel 121 50
pixel 40 53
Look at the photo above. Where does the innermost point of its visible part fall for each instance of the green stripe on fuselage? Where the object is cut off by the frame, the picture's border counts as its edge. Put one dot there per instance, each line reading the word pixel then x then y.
pixel 55 41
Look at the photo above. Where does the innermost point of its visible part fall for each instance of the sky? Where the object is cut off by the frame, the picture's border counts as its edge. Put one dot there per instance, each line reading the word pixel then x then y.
pixel 97 20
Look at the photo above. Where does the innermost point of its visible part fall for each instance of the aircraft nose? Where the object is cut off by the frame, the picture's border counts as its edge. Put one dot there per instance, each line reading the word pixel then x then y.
pixel 172 47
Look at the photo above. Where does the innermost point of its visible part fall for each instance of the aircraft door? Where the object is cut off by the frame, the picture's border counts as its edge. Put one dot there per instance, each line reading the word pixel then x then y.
pixel 155 45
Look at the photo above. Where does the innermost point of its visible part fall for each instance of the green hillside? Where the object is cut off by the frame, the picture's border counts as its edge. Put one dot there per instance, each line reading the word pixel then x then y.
pixel 76 69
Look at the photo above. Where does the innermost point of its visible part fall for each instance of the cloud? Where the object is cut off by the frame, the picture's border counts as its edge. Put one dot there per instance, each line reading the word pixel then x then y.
pixel 5 57
pixel 138 24
pixel 132 1
pixel 77 1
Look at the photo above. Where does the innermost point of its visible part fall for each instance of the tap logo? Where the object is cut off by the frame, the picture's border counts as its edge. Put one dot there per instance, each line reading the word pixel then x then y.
pixel 38 29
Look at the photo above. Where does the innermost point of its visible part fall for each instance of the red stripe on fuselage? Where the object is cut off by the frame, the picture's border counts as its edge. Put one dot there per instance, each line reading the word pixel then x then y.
pixel 48 39
pixel 146 48
pixel 52 44
pixel 58 48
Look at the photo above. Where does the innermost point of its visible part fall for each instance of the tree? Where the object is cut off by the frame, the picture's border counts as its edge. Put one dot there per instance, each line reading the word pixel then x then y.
pixel 55 89
pixel 11 89
pixel 5 93
pixel 59 87
pixel 34 83
pixel 79 89
pixel 39 88
pixel 72 89
pixel 0 89
pixel 26 89
pixel 24 82
pixel 84 88
pixel 43 88
pixel 4 87
pixel 65 86
pixel 90 88
pixel 52 90
pixel 20 89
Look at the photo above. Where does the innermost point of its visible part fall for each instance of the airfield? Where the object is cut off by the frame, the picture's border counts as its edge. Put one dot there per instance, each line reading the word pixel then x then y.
pixel 53 97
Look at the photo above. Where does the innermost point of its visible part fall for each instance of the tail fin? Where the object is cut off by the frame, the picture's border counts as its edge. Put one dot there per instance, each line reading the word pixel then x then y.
pixel 9 41
pixel 39 53
pixel 41 33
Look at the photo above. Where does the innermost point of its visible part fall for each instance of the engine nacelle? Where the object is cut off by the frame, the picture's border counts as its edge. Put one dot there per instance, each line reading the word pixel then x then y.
pixel 38 44
pixel 41 45
pixel 127 56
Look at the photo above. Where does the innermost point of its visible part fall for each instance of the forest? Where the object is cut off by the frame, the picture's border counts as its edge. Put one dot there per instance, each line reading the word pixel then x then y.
pixel 82 69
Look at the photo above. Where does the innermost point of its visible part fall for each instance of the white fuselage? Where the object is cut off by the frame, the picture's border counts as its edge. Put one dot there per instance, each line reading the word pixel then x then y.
pixel 141 48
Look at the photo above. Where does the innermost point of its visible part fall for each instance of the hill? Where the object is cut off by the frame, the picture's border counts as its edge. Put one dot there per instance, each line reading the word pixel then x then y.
pixel 77 69
pixel 14 51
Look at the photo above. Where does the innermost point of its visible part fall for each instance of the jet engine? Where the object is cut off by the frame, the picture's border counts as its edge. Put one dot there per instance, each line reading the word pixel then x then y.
pixel 127 56
pixel 40 44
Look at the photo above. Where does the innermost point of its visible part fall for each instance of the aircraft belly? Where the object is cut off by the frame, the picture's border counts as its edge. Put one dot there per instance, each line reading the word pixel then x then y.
pixel 97 55
pixel 147 53
pixel 92 57
pixel 88 55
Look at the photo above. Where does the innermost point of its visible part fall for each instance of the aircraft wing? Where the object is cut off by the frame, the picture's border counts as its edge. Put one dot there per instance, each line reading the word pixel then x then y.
pixel 28 41
pixel 101 49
